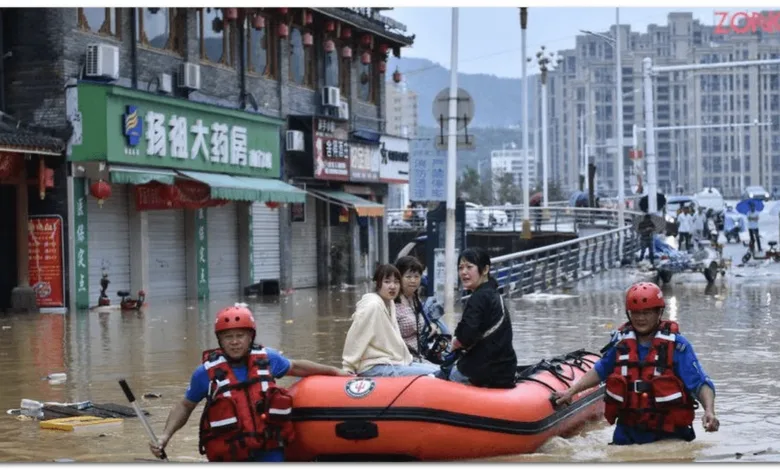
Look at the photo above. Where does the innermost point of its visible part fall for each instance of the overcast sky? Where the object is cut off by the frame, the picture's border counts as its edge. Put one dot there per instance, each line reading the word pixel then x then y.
pixel 482 51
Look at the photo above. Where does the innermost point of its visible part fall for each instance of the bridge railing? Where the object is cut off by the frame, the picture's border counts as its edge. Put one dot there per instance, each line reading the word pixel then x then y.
pixel 510 219
pixel 557 265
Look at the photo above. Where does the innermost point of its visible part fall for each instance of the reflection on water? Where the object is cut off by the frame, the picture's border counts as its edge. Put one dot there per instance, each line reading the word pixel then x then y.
pixel 733 329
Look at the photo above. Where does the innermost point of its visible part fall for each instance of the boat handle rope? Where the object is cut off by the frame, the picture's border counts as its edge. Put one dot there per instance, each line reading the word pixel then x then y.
pixel 399 395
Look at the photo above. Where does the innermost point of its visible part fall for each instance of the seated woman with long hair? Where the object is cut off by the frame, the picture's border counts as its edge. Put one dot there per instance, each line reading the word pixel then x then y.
pixel 374 346
pixel 484 333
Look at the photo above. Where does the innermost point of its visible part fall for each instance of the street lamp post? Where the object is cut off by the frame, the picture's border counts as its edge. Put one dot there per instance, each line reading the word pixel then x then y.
pixel 450 263
pixel 546 63
pixel 526 186
pixel 619 128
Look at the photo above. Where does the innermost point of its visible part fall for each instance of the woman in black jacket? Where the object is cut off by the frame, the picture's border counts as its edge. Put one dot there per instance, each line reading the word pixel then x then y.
pixel 484 333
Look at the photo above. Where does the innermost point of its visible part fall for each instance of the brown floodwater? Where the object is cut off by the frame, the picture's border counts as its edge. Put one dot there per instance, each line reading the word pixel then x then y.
pixel 733 326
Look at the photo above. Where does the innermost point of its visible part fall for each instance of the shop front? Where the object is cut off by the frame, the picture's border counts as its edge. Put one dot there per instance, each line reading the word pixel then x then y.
pixel 32 255
pixel 341 171
pixel 171 196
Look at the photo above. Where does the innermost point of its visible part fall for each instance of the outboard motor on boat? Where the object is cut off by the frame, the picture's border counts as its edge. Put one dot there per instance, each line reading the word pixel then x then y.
pixel 434 345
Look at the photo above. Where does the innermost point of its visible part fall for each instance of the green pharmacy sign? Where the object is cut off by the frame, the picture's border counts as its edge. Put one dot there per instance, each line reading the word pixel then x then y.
pixel 143 129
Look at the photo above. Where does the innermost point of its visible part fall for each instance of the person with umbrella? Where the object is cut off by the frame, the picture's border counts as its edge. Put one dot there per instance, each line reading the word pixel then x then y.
pixel 752 224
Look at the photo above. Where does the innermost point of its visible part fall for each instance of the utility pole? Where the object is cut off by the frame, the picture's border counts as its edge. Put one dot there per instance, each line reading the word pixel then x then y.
pixel 619 134
pixel 526 186
pixel 450 267
pixel 546 63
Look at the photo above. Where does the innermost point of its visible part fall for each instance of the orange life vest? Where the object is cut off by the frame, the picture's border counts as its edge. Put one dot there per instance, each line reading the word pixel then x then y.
pixel 647 395
pixel 240 417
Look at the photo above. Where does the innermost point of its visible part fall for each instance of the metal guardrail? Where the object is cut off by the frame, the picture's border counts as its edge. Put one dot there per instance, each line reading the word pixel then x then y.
pixel 557 265
pixel 510 218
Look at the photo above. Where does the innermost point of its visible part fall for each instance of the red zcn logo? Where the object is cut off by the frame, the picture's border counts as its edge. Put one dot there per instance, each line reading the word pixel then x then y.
pixel 743 22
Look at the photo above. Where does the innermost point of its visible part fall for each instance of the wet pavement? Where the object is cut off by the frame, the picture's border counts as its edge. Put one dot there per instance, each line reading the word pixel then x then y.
pixel 733 325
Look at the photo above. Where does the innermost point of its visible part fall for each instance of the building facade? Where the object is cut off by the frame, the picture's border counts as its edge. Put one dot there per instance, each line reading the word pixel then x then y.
pixel 401 110
pixel 582 96
pixel 513 161
pixel 183 180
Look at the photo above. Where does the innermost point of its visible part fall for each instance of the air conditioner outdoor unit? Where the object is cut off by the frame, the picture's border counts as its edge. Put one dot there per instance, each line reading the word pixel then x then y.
pixel 344 110
pixel 102 61
pixel 331 96
pixel 189 76
pixel 295 141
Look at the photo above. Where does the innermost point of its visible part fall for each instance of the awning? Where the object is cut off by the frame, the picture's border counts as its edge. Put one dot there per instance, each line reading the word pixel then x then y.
pixel 363 207
pixel 245 188
pixel 130 175
pixel 369 137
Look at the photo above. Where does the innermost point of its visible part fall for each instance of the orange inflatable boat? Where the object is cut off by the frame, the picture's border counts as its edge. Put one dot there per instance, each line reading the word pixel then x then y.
pixel 427 419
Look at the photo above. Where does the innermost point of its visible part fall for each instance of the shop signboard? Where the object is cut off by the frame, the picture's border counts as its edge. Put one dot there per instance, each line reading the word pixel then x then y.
pixel 143 129
pixel 394 165
pixel 364 162
pixel 331 150
pixel 46 256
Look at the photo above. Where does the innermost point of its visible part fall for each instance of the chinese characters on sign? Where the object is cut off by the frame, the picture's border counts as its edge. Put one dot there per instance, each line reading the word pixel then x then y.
pixel 46 260
pixel 331 159
pixel 364 162
pixel 428 178
pixel 394 166
pixel 202 262
pixel 217 143
pixel 81 269
pixel 331 151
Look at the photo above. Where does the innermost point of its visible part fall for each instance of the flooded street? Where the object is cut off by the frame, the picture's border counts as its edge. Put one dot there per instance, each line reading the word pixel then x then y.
pixel 733 327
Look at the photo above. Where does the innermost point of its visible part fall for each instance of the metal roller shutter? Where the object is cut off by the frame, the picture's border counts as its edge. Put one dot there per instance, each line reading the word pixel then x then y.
pixel 265 233
pixel 304 248
pixel 108 232
pixel 167 255
pixel 224 269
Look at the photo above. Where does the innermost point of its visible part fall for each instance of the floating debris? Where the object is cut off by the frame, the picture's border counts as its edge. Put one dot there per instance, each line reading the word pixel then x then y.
pixel 152 395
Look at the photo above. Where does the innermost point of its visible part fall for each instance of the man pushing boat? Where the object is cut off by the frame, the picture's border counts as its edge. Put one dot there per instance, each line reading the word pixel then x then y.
pixel 649 396
pixel 246 417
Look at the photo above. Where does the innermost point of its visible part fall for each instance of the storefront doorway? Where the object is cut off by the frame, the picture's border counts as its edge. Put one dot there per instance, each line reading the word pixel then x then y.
pixel 8 266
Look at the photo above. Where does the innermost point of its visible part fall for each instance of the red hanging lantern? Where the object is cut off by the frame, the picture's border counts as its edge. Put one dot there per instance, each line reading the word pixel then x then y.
pixel 258 22
pixel 382 66
pixel 308 18
pixel 329 45
pixel 346 52
pixel 101 191
pixel 283 30
pixel 365 40
pixel 308 39
pixel 397 76
pixel 169 193
pixel 343 215
pixel 346 32
pixel 231 14
pixel 366 58
pixel 272 204
pixel 330 26
pixel 383 48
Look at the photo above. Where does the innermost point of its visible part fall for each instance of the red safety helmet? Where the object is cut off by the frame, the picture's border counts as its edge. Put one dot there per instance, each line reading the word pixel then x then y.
pixel 236 316
pixel 644 295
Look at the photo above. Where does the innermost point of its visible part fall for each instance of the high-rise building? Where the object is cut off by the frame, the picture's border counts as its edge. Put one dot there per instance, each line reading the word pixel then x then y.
pixel 511 160
pixel 401 110
pixel 581 97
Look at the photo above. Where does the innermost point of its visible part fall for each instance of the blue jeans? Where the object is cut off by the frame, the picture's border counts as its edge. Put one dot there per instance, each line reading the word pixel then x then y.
pixel 387 370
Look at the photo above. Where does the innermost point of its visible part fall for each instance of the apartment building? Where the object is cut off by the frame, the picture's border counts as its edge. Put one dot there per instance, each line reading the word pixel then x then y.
pixel 512 160
pixel 581 102
pixel 401 112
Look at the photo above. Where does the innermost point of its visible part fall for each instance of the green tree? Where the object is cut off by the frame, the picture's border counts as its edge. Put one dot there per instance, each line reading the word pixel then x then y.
pixel 472 189
pixel 507 189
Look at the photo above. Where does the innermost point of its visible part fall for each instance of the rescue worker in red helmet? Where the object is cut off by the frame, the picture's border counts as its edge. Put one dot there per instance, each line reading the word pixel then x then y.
pixel 253 424
pixel 652 376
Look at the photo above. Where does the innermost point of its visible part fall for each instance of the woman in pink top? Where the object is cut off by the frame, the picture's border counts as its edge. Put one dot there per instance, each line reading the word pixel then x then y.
pixel 408 308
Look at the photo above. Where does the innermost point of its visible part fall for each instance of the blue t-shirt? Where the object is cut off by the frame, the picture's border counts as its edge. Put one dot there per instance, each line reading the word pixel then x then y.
pixel 199 388
pixel 685 365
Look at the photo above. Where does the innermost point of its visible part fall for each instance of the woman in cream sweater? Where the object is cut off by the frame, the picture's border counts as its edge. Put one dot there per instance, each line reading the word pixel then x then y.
pixel 374 346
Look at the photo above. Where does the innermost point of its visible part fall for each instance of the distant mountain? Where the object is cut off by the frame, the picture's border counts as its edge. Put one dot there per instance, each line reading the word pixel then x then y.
pixel 498 101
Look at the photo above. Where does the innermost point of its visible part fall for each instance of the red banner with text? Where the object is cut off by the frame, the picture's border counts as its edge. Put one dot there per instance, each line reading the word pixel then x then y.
pixel 181 195
pixel 46 255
